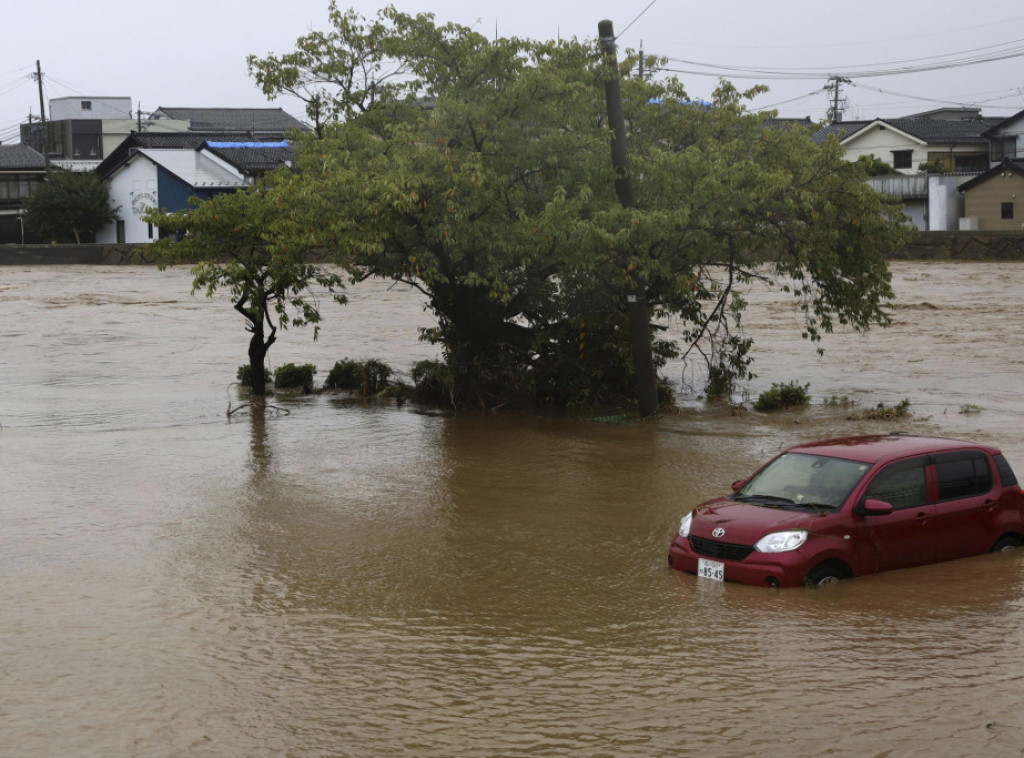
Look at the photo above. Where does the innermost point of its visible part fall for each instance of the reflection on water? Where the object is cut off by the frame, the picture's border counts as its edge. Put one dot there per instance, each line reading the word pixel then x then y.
pixel 350 579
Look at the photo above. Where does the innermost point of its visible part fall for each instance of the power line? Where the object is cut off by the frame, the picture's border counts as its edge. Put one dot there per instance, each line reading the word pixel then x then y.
pixel 636 19
pixel 930 63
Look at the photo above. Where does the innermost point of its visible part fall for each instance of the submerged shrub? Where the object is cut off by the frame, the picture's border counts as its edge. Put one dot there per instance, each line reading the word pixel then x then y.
pixel 244 375
pixel 782 396
pixel 883 412
pixel 721 382
pixel 289 375
pixel 370 377
pixel 433 383
pixel 345 375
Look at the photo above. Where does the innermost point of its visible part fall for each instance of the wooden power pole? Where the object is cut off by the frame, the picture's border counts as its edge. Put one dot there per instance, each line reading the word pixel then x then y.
pixel 636 300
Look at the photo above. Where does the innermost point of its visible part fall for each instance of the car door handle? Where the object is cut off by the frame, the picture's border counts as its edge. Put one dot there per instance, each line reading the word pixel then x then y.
pixel 923 518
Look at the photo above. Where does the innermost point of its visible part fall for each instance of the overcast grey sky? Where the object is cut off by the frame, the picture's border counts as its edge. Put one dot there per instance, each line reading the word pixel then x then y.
pixel 165 54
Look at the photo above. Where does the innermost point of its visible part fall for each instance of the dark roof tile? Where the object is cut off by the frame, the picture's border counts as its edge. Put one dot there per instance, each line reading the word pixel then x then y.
pixel 250 120
pixel 21 158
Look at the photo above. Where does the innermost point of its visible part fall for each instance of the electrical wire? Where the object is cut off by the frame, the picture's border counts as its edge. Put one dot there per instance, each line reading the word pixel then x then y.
pixel 636 19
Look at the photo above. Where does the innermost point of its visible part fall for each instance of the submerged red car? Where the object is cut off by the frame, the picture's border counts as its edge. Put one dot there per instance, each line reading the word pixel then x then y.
pixel 840 508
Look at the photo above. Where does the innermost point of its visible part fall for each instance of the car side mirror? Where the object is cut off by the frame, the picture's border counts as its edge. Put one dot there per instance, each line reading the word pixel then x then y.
pixel 737 484
pixel 872 507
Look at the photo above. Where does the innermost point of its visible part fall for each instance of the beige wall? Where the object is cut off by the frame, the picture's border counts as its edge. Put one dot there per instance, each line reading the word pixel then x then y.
pixel 984 202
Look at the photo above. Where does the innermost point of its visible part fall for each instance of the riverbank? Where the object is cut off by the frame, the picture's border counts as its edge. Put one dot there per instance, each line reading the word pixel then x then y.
pixel 926 246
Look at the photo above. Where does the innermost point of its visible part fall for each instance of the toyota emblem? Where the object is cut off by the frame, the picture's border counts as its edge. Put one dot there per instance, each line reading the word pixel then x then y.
pixel 719 532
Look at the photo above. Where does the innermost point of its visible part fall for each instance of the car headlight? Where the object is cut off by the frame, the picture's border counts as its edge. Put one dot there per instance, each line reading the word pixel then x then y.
pixel 684 525
pixel 781 542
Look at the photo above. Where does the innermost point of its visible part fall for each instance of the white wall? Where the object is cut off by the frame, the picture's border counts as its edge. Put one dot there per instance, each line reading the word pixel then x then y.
pixel 134 188
pixel 945 204
pixel 70 108
pixel 881 143
pixel 116 131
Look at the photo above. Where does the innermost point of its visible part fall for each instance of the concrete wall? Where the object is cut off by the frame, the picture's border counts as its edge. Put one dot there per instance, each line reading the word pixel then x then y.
pixel 96 255
pixel 955 246
pixel 964 246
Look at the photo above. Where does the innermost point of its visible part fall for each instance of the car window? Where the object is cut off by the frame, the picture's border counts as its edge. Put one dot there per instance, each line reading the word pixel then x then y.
pixel 1005 471
pixel 902 484
pixel 962 474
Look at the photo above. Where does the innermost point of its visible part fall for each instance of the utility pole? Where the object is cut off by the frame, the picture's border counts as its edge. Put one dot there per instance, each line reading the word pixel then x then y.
pixel 44 128
pixel 636 300
pixel 834 86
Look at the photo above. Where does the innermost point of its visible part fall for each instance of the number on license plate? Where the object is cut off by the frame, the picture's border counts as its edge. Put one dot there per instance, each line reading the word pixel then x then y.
pixel 711 569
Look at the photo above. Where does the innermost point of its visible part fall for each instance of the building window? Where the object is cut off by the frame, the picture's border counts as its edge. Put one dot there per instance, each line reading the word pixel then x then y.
pixel 1007 210
pixel 902 158
pixel 87 105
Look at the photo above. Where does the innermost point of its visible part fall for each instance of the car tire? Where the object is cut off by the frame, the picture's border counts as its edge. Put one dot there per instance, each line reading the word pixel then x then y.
pixel 823 575
pixel 1006 544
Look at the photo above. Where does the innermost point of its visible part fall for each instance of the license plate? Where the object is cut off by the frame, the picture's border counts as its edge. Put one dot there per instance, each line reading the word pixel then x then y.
pixel 711 569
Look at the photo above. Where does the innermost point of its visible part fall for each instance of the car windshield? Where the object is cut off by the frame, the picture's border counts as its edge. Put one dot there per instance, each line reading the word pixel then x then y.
pixel 798 480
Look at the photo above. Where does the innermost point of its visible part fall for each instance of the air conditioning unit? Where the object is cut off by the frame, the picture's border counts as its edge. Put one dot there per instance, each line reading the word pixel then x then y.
pixel 968 223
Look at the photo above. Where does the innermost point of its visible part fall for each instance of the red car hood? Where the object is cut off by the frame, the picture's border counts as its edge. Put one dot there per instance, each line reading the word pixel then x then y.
pixel 743 523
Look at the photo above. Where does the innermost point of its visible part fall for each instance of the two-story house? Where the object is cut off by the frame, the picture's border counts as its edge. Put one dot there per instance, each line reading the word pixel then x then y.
pixel 166 170
pixel 22 169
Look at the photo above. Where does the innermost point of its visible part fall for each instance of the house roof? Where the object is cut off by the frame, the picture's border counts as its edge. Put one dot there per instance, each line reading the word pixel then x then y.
pixel 246 120
pixel 21 158
pixel 195 169
pixel 934 131
pixel 1004 122
pixel 252 157
pixel 159 141
pixel 1017 167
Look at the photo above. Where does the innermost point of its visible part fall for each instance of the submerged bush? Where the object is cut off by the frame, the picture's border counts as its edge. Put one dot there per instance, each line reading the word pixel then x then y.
pixel 289 375
pixel 369 377
pixel 782 396
pixel 433 383
pixel 244 375
pixel 883 412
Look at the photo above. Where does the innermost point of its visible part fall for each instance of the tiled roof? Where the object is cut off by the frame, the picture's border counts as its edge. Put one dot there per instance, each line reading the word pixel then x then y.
pixel 20 158
pixel 251 120
pixel 934 131
pixel 253 157
pixel 159 141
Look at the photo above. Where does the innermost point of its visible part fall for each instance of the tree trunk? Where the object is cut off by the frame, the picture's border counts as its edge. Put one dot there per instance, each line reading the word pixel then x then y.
pixel 258 363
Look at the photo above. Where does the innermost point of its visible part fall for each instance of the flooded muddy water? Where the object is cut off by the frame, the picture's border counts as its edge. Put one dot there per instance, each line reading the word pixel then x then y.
pixel 368 580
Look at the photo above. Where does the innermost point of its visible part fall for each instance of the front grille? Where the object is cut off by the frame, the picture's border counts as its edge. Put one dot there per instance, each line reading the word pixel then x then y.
pixel 725 551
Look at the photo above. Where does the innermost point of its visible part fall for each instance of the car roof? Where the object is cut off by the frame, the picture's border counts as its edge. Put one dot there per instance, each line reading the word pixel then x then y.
pixel 874 448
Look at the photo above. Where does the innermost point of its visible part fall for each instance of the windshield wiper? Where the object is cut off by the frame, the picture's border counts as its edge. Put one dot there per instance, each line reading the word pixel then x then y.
pixel 762 499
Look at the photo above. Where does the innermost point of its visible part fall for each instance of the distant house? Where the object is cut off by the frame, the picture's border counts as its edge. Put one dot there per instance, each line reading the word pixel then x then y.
pixel 990 199
pixel 955 141
pixel 83 130
pixel 953 138
pixel 165 170
pixel 1006 140
pixel 22 169
pixel 260 124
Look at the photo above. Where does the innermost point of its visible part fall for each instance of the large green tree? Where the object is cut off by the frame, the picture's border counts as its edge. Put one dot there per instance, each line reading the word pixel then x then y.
pixel 481 174
pixel 69 205
pixel 231 243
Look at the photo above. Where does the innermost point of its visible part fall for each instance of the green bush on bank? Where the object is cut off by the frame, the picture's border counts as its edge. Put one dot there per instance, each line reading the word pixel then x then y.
pixel 782 396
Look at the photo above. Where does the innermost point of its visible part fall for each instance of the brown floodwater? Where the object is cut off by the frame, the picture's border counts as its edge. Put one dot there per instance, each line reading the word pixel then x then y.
pixel 328 578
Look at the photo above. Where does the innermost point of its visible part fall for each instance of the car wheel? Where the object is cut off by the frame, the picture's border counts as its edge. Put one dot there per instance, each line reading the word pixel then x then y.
pixel 1006 544
pixel 823 575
